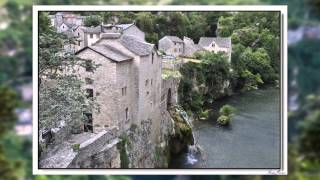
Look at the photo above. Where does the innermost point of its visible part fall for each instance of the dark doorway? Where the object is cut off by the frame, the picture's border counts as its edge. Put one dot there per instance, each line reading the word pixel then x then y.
pixel 169 99
pixel 88 127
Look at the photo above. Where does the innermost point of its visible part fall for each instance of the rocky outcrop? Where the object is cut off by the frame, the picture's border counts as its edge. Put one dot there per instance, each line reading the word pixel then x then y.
pixel 183 136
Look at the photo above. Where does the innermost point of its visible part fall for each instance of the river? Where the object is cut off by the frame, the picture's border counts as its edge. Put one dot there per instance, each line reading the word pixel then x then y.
pixel 251 141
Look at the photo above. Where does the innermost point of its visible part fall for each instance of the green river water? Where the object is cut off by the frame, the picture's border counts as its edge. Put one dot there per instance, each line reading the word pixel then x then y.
pixel 251 141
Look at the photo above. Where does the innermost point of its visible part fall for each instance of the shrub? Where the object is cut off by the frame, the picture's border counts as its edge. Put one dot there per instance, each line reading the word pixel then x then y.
pixel 204 114
pixel 76 147
pixel 226 113
pixel 227 110
pixel 224 120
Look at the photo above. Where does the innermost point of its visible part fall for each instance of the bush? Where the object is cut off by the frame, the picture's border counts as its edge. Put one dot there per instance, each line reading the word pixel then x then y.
pixel 204 114
pixel 226 110
pixel 76 147
pixel 226 113
pixel 224 120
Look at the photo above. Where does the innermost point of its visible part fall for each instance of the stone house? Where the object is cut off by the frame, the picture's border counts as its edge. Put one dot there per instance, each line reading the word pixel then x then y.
pixel 216 44
pixel 171 45
pixel 127 83
pixel 190 47
pixel 65 17
pixel 86 36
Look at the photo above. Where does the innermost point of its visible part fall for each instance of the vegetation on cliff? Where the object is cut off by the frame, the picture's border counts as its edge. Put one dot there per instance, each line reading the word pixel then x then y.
pixel 183 131
pixel 255 61
pixel 203 82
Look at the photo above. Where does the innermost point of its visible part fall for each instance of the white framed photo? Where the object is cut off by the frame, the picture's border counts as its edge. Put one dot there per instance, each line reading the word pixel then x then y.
pixel 160 90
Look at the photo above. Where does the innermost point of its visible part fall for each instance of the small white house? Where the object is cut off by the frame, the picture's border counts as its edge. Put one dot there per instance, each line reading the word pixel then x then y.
pixel 216 44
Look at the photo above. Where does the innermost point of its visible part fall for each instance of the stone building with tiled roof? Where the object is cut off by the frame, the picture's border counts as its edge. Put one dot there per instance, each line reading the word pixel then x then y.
pixel 86 36
pixel 126 85
pixel 217 44
pixel 171 45
pixel 190 47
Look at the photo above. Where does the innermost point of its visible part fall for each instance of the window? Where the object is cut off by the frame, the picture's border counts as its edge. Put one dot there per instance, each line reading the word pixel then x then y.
pixel 147 82
pixel 88 65
pixel 88 81
pixel 213 44
pixel 175 43
pixel 151 81
pixel 124 91
pixel 88 127
pixel 78 43
pixel 152 57
pixel 89 93
pixel 78 34
pixel 127 113
pixel 91 36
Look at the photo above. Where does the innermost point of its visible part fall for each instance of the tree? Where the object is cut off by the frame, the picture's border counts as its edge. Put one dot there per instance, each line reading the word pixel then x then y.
pixel 197 27
pixel 44 22
pixel 8 103
pixel 92 20
pixel 61 99
pixel 225 26
pixel 258 62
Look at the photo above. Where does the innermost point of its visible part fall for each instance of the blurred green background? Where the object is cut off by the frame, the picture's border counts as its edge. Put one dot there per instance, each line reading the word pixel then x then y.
pixel 16 87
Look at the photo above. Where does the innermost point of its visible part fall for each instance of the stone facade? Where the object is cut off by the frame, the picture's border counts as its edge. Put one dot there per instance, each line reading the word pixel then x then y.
pixel 67 18
pixel 217 44
pixel 190 47
pixel 171 45
pixel 131 95
pixel 130 126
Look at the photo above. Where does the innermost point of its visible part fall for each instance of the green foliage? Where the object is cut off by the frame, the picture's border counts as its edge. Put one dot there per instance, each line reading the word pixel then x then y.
pixel 226 112
pixel 225 26
pixel 258 62
pixel 92 20
pixel 44 22
pixel 122 147
pixel 204 114
pixel 310 126
pixel 8 103
pixel 256 47
pixel 61 98
pixel 251 81
pixel 304 57
pixel 166 73
pixel 212 72
pixel 216 71
pixel 223 120
pixel 76 147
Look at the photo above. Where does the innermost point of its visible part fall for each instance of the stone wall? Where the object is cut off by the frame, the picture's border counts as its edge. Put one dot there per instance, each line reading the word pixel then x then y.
pixel 105 89
pixel 100 151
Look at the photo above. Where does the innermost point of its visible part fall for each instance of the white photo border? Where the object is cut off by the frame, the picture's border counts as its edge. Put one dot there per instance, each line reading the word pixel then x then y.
pixel 283 170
